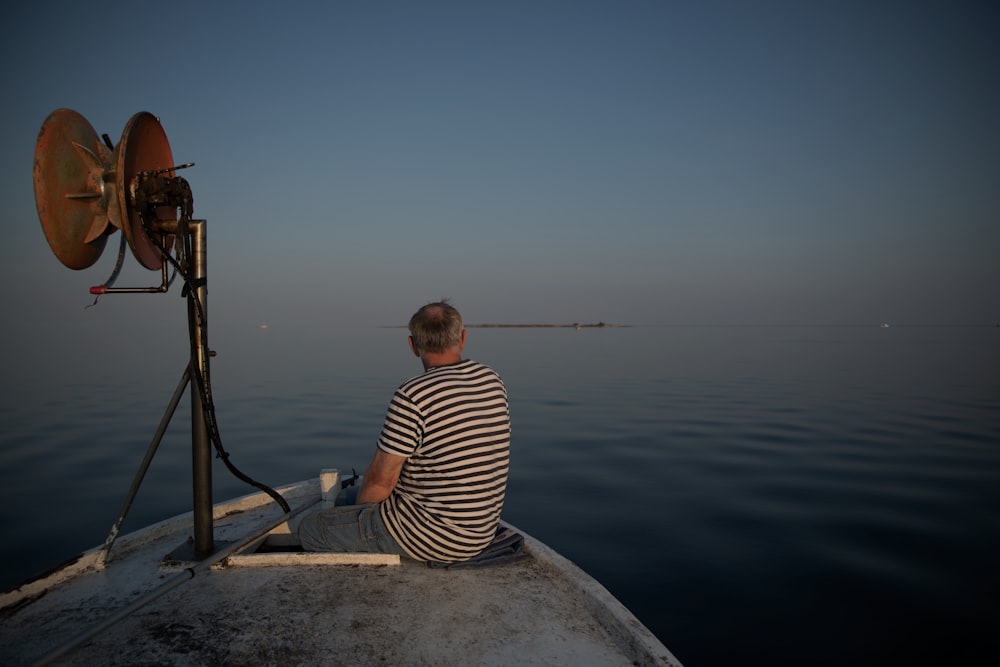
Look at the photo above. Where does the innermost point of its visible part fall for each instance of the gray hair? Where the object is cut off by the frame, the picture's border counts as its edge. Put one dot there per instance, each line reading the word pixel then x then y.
pixel 436 327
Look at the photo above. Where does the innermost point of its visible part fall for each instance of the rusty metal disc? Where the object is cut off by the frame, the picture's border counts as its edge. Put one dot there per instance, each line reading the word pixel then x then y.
pixel 143 147
pixel 72 192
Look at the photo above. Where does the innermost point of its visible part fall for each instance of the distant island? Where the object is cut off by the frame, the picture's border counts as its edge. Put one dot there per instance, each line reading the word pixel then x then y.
pixel 575 325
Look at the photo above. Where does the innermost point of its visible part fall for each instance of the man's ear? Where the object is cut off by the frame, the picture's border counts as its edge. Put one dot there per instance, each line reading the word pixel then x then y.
pixel 413 348
pixel 461 344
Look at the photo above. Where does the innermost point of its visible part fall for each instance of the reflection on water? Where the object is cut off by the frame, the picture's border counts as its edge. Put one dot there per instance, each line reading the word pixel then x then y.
pixel 780 495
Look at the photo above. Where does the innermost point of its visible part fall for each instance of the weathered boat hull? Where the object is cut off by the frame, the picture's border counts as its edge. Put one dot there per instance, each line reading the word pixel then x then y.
pixel 244 607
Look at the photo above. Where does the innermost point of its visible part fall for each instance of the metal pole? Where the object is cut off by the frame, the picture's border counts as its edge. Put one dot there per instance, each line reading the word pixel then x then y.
pixel 201 450
pixel 144 466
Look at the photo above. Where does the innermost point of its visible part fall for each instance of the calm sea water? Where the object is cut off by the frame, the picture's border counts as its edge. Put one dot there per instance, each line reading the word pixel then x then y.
pixel 756 495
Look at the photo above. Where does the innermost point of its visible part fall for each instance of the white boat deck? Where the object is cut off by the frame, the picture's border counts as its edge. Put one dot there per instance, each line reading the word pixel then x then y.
pixel 306 609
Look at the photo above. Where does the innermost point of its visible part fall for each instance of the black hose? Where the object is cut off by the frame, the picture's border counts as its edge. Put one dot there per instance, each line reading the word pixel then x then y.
pixel 202 375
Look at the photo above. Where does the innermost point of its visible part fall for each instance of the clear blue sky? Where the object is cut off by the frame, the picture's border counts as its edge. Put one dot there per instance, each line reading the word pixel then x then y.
pixel 669 162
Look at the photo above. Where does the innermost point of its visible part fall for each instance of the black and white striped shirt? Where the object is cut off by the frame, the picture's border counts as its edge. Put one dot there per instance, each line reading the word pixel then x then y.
pixel 453 425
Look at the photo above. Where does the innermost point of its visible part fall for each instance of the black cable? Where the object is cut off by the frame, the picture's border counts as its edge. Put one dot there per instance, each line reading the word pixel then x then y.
pixel 202 375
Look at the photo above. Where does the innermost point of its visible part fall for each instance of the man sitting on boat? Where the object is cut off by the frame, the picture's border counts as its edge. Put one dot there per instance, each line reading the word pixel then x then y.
pixel 435 487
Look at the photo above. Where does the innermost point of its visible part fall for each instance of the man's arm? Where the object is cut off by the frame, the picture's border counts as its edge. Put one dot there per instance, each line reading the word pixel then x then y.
pixel 381 477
